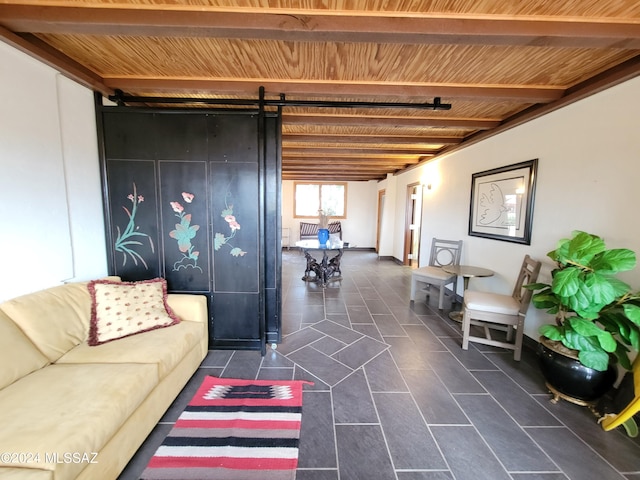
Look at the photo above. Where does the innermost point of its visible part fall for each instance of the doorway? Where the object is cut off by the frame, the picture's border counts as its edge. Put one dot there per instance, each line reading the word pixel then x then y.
pixel 412 225
pixel 381 197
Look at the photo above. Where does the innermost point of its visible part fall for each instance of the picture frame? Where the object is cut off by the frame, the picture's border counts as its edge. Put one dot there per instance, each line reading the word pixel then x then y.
pixel 501 206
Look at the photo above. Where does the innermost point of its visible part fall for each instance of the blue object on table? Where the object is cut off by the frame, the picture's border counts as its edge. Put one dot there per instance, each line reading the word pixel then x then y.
pixel 323 235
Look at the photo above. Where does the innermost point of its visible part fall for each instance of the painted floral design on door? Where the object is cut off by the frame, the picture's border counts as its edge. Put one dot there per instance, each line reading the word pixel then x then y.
pixel 221 239
pixel 184 233
pixel 130 238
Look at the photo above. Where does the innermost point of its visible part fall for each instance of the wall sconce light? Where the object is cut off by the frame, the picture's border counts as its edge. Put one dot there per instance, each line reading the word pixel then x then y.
pixel 430 178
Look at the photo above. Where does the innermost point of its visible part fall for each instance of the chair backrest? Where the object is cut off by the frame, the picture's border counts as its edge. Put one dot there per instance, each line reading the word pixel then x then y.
pixel 445 252
pixel 528 274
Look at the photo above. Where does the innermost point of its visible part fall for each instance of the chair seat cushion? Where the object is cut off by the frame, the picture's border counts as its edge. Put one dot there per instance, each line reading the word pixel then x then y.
pixel 434 273
pixel 491 302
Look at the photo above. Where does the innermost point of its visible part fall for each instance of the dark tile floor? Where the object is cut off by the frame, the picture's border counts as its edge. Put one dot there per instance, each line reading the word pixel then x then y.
pixel 396 398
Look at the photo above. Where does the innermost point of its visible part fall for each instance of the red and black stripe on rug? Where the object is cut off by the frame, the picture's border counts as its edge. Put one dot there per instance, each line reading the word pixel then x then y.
pixel 234 430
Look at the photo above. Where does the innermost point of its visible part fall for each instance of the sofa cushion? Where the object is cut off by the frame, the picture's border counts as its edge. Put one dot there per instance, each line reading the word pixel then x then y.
pixel 62 409
pixel 55 319
pixel 18 356
pixel 165 348
pixel 121 309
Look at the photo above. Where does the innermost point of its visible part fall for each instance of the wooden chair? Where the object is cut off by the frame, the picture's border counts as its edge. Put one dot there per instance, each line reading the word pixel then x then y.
pixel 443 252
pixel 309 231
pixel 494 311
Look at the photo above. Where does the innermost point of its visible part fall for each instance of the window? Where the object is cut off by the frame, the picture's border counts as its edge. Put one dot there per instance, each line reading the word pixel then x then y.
pixel 311 197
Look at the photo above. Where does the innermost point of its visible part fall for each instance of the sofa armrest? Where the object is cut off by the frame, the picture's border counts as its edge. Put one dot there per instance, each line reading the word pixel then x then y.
pixel 192 308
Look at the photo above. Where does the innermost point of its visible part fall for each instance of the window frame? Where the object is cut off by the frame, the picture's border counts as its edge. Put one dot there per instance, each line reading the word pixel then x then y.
pixel 333 217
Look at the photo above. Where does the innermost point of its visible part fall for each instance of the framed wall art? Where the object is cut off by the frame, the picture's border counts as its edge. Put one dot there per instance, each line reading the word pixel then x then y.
pixel 502 202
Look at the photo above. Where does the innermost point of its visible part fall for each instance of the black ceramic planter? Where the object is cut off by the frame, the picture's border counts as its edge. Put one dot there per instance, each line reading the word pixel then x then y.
pixel 567 378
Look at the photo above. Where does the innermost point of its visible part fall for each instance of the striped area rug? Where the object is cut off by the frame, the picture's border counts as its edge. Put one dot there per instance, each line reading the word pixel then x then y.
pixel 234 430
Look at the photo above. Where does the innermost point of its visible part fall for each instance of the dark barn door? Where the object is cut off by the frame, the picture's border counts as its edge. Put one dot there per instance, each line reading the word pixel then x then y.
pixel 194 197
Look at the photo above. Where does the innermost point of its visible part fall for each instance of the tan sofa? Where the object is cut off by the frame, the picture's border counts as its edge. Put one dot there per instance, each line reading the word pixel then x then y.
pixel 69 410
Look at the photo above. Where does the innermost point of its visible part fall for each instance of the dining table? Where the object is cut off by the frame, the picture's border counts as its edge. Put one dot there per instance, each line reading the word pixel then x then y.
pixel 325 269
pixel 467 272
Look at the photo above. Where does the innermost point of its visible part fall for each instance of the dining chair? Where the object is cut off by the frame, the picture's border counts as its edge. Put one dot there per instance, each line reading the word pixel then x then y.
pixel 494 311
pixel 443 253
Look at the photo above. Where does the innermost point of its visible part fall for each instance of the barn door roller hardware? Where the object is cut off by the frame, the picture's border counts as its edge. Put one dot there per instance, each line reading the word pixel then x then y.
pixel 122 100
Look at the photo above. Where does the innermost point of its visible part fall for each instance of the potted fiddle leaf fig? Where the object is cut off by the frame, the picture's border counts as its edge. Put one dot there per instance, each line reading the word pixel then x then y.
pixel 597 315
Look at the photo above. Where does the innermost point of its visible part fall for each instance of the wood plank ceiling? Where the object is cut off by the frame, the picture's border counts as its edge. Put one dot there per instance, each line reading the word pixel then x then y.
pixel 498 63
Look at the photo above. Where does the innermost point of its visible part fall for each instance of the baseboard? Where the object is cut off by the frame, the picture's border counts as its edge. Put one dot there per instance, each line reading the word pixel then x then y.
pixel 530 343
pixel 348 249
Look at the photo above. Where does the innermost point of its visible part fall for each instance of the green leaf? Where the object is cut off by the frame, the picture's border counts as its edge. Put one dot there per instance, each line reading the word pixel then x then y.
pixel 632 312
pixel 130 242
pixel 536 286
pixel 582 343
pixel 565 282
pixel 183 234
pixel 237 252
pixel 614 261
pixel 587 328
pixel 552 332
pixel 631 427
pixel 218 240
pixel 584 246
pixel 544 300
pixel 600 287
pixel 579 342
pixel 623 357
pixel 582 302
pixel 584 327
pixel 621 288
pixel 616 324
pixel 634 338
pixel 594 359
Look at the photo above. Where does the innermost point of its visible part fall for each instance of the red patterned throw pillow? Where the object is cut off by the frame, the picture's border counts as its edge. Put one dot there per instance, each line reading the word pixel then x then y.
pixel 121 309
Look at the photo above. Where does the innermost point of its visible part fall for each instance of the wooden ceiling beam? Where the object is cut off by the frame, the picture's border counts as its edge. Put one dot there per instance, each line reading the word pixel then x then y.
pixel 342 149
pixel 34 47
pixel 329 170
pixel 339 167
pixel 333 177
pixel 386 121
pixel 519 93
pixel 371 139
pixel 377 162
pixel 308 25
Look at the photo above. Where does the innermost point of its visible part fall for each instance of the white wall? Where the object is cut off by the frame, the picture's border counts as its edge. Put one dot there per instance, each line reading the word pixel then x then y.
pixel 51 218
pixel 359 228
pixel 589 166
